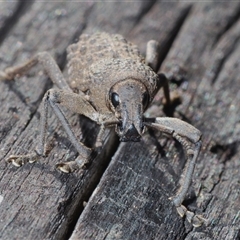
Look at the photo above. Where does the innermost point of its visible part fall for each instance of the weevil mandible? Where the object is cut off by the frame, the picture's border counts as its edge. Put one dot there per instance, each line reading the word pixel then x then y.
pixel 112 84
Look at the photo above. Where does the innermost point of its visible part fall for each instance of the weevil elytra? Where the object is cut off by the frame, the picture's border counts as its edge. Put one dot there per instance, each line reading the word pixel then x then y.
pixel 112 84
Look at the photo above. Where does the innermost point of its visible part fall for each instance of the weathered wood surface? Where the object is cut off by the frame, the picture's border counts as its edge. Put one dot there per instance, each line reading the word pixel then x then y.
pixel 200 51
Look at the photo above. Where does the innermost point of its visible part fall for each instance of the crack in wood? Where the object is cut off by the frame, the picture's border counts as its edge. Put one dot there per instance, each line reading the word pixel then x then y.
pixel 11 21
pixel 225 151
pixel 233 19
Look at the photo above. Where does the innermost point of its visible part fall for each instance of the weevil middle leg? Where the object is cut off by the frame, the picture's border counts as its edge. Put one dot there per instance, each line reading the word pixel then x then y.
pixel 152 60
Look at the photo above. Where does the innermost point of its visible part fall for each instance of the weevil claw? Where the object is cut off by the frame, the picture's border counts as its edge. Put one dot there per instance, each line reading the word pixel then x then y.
pixel 182 210
pixel 78 164
pixel 199 220
pixel 4 76
pixel 15 160
pixel 194 219
pixel 20 160
pixel 64 167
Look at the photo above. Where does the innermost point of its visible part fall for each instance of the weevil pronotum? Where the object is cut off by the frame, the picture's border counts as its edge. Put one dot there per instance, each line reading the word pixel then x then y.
pixel 112 84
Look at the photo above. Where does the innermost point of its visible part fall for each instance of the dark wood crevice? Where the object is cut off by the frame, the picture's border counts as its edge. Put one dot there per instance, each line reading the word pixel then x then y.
pixel 9 22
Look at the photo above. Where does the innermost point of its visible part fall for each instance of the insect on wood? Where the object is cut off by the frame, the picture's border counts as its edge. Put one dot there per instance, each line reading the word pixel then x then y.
pixel 112 84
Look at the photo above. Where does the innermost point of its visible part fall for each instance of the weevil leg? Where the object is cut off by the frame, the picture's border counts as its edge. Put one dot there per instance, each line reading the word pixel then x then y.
pixel 75 103
pixel 169 103
pixel 78 104
pixel 163 82
pixel 152 54
pixel 19 160
pixel 187 135
pixel 152 60
pixel 48 64
pixel 106 124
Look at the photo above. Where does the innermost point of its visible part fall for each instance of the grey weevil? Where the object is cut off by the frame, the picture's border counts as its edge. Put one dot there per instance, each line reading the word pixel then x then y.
pixel 112 84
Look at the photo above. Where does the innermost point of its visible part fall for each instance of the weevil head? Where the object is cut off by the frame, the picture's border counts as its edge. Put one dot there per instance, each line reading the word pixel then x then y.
pixel 128 99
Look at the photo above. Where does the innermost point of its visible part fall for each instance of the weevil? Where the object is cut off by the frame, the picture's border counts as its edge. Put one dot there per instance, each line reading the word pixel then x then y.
pixel 112 84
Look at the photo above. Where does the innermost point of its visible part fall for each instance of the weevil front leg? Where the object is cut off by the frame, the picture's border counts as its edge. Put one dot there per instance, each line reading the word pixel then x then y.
pixel 75 103
pixel 187 135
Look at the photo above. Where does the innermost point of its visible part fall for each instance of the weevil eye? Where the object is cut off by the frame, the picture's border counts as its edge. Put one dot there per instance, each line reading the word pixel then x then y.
pixel 115 99
pixel 145 100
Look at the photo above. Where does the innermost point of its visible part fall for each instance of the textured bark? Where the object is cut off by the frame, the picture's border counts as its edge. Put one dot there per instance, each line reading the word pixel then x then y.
pixel 200 51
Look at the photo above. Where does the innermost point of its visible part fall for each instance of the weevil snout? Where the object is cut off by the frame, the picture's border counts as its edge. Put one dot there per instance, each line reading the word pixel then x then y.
pixel 128 100
pixel 132 135
pixel 129 129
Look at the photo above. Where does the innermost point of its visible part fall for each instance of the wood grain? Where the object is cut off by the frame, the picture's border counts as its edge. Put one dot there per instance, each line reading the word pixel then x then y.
pixel 200 54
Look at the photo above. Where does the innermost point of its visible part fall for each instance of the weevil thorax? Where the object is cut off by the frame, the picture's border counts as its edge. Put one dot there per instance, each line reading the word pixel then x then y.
pixel 128 99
